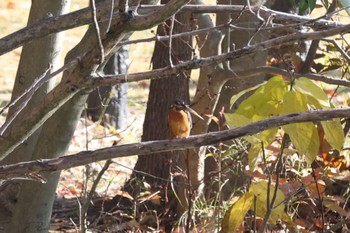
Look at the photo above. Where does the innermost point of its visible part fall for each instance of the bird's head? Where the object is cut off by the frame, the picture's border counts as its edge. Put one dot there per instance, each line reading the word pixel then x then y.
pixel 178 105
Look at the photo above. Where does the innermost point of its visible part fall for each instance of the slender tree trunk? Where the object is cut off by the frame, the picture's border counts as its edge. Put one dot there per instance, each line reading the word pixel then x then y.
pixel 112 101
pixel 35 59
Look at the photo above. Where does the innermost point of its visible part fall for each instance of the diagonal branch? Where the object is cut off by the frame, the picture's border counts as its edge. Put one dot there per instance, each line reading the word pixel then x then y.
pixel 144 148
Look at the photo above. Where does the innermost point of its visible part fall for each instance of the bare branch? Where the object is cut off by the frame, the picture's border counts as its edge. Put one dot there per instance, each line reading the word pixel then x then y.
pixel 177 35
pixel 50 25
pixel 28 95
pixel 277 71
pixel 144 148
pixel 110 80
pixel 97 30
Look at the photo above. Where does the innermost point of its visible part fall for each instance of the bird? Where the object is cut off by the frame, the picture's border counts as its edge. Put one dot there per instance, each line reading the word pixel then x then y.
pixel 180 121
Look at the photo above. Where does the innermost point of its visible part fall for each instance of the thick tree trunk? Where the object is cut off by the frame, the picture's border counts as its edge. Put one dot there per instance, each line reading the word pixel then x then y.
pixel 35 59
pixel 162 92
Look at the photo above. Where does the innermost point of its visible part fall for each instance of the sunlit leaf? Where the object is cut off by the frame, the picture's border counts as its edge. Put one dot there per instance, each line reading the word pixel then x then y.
pixel 236 213
pixel 263 104
pixel 334 133
pixel 260 190
pixel 308 87
pixel 304 136
pixel 234 98
pixel 266 100
pixel 253 155
pixel 235 120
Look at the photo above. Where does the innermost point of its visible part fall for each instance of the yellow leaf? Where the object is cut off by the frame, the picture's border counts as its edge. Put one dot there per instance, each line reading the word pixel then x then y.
pixel 236 213
pixel 308 87
pixel 304 136
pixel 234 98
pixel 334 133
pixel 260 190
pixel 234 120
pixel 253 155
pixel 266 100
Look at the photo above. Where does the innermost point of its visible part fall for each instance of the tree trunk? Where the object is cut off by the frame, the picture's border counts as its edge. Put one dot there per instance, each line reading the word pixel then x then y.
pixel 162 93
pixel 114 98
pixel 35 59
pixel 35 200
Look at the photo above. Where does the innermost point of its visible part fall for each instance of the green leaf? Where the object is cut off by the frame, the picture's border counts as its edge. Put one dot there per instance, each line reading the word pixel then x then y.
pixel 334 133
pixel 303 5
pixel 234 120
pixel 308 87
pixel 312 4
pixel 263 104
pixel 304 136
pixel 235 215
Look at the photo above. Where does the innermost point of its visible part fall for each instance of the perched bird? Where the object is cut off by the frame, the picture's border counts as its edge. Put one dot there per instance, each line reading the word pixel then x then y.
pixel 180 121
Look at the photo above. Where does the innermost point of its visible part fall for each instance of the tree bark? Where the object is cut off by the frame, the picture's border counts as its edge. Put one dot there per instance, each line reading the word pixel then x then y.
pixel 162 93
pixel 112 101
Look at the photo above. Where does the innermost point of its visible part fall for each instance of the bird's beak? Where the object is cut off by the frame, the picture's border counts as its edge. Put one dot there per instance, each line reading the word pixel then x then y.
pixel 194 112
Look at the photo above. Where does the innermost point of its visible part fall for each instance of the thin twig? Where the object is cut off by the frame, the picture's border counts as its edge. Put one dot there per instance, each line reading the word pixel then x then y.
pixel 28 96
pixel 172 19
pixel 123 6
pixel 92 191
pixel 51 25
pixel 177 35
pixel 110 18
pixel 97 31
pixel 190 194
pixel 320 199
pixel 278 169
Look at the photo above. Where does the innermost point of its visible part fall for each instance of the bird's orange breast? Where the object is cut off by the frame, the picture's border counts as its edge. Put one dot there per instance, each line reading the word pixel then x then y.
pixel 179 124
